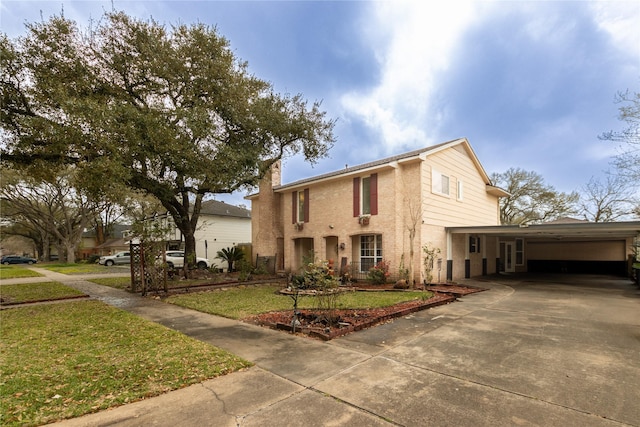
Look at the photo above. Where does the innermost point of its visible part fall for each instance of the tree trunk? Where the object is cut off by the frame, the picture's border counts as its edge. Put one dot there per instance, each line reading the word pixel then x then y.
pixel 45 247
pixel 189 252
pixel 62 254
pixel 71 252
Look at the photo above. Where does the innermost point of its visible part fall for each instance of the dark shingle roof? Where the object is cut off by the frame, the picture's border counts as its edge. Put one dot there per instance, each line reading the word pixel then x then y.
pixel 367 165
pixel 215 207
pixel 117 231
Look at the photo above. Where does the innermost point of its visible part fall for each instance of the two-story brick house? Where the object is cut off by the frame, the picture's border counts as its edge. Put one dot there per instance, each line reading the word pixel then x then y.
pixel 382 211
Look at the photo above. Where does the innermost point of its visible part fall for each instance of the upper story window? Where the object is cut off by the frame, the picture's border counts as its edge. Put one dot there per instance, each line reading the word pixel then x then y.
pixel 439 183
pixel 365 195
pixel 300 206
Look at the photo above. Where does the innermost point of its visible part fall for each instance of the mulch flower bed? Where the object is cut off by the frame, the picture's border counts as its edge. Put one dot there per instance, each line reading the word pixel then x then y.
pixel 313 323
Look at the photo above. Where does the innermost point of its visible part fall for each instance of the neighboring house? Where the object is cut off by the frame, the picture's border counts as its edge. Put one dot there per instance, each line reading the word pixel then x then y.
pixel 222 225
pixel 115 241
pixel 112 246
pixel 365 214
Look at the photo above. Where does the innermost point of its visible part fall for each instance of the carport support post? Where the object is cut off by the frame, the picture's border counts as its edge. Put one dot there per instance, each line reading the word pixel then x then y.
pixel 497 255
pixel 483 242
pixel 449 257
pixel 467 259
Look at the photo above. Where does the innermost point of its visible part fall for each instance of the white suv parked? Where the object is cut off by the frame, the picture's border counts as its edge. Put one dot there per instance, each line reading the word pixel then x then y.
pixel 175 259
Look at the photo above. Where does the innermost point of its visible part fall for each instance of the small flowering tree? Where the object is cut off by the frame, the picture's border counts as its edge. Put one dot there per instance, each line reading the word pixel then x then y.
pixel 315 276
pixel 430 255
pixel 379 273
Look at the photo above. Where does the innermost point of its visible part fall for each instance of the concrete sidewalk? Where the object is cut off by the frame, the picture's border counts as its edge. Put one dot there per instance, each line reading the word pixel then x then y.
pixel 521 353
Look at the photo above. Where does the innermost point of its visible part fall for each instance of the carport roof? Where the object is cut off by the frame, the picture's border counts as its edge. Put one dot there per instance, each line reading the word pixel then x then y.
pixel 582 230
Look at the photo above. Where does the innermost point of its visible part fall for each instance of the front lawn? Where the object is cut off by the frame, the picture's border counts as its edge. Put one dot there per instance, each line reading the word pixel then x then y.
pixel 241 302
pixel 84 268
pixel 64 360
pixel 16 272
pixel 31 292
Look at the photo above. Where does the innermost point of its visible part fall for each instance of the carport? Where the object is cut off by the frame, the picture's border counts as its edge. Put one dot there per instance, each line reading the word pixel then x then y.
pixel 569 246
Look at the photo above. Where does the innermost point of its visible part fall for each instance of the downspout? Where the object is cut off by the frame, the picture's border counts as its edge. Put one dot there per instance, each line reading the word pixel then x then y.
pixel 497 255
pixel 482 241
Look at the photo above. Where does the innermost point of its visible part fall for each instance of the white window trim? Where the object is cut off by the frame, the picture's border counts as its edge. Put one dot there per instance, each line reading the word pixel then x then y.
pixel 375 257
pixel 436 183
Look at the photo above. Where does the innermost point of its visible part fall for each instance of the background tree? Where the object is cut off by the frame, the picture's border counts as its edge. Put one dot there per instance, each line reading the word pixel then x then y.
pixel 608 200
pixel 532 200
pixel 628 160
pixel 53 209
pixel 168 112
pixel 18 236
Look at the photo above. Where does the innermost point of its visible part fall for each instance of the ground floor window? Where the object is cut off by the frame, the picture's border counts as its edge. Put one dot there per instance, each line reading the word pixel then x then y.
pixel 370 251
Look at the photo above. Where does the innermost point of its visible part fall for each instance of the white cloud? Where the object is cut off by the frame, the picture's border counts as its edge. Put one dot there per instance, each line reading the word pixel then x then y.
pixel 412 42
pixel 620 20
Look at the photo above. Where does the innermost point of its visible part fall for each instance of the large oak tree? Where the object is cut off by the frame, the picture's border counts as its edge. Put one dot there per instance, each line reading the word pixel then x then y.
pixel 531 200
pixel 167 111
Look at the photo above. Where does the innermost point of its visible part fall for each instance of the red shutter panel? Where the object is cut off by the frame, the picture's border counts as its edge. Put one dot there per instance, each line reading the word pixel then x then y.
pixel 306 205
pixel 356 196
pixel 373 181
pixel 294 207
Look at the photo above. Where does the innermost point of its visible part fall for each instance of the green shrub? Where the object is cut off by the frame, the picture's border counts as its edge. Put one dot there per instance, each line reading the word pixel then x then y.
pixel 379 273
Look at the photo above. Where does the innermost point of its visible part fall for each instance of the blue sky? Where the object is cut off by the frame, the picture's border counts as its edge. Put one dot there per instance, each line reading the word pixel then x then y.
pixel 531 84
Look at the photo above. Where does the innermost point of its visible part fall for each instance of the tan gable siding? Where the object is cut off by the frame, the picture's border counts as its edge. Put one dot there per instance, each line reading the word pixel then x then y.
pixel 477 207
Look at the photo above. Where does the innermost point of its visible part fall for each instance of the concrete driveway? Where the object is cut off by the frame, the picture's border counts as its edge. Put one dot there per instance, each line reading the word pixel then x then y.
pixel 534 350
pixel 531 350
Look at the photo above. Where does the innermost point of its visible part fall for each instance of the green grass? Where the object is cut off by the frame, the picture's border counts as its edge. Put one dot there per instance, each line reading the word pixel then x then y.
pixel 30 292
pixel 82 268
pixel 238 303
pixel 64 360
pixel 16 272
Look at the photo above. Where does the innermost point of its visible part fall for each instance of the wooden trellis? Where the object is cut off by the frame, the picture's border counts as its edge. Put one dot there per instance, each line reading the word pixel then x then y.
pixel 148 267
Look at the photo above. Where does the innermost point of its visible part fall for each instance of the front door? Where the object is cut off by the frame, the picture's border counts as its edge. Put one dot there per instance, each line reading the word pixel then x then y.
pixel 509 257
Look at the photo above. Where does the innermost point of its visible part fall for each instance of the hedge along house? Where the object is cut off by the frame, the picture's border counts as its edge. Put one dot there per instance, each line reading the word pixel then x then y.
pixel 385 210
